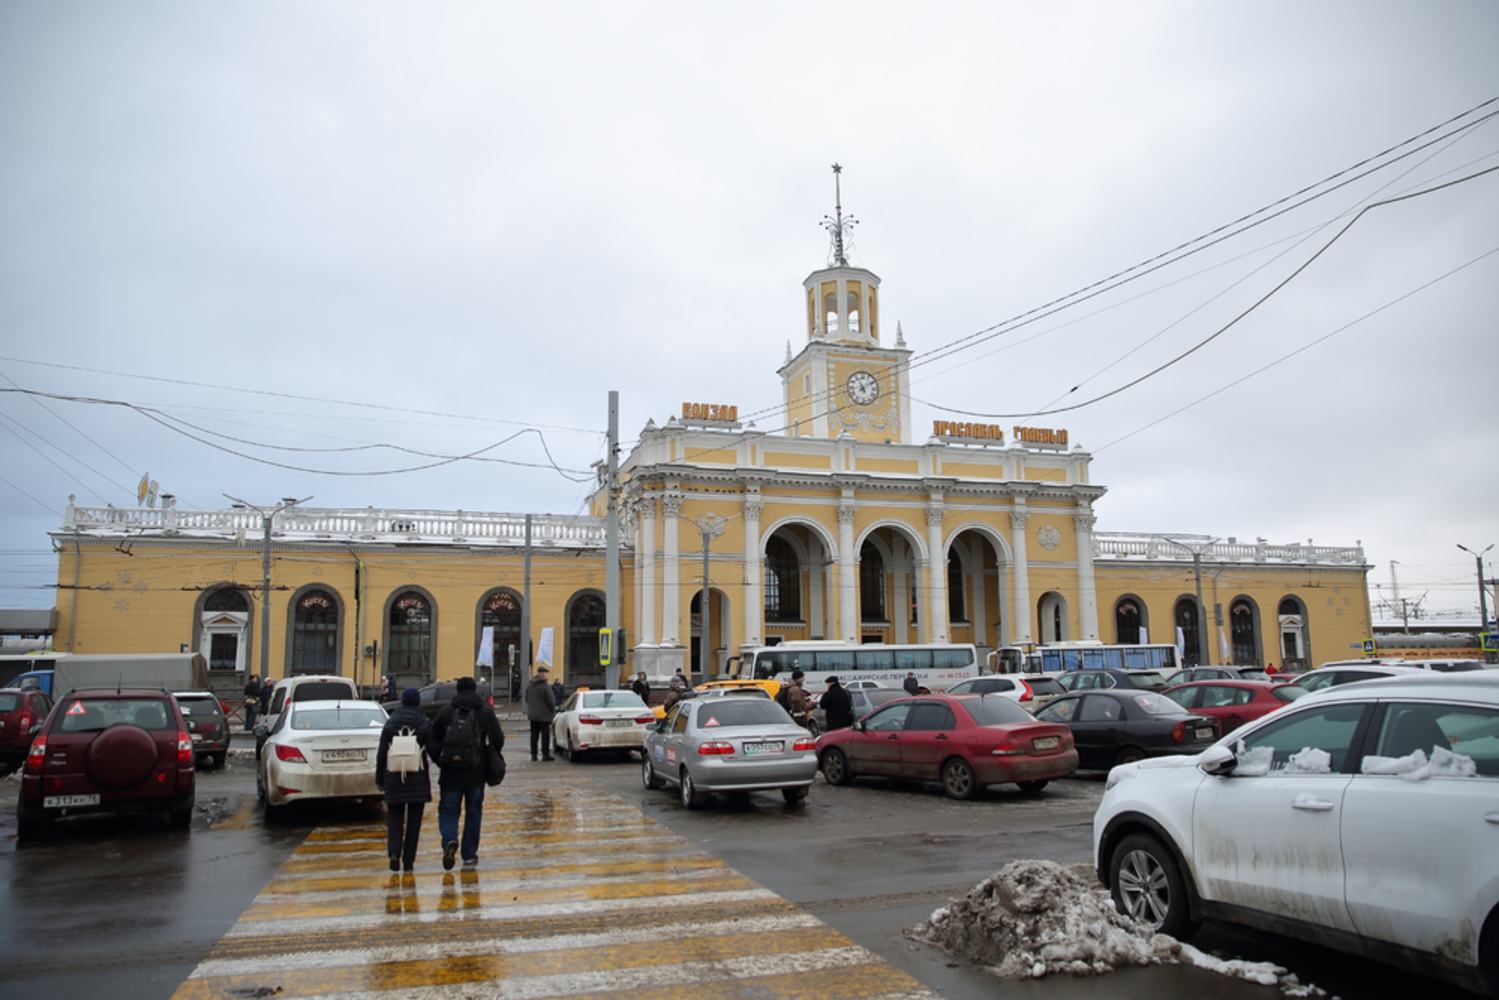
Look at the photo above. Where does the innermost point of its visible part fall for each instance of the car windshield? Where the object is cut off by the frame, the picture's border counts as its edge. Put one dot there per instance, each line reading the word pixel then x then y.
pixel 353 717
pixel 995 711
pixel 1155 704
pixel 199 706
pixel 878 696
pixel 1045 686
pixel 1151 680
pixel 610 699
pixel 321 691
pixel 732 712
pixel 86 715
pixel 9 700
pixel 1288 692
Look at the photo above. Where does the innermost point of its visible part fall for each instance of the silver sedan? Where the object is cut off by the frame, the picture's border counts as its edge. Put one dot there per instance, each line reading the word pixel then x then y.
pixel 707 745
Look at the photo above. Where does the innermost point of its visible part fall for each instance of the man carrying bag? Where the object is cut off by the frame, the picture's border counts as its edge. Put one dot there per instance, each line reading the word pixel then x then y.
pixel 465 734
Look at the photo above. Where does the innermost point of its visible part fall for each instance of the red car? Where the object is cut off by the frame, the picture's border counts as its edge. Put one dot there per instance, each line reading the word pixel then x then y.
pixel 109 750
pixel 19 711
pixel 1233 703
pixel 963 741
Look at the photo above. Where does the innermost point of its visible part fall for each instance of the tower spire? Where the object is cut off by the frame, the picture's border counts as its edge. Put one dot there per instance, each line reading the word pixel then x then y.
pixel 837 226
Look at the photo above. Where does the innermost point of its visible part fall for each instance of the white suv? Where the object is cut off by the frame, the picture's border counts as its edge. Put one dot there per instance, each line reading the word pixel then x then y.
pixel 1364 817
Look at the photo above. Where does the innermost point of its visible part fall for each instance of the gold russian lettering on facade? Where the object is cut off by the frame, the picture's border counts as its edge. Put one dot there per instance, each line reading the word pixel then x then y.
pixel 958 429
pixel 710 411
pixel 1040 435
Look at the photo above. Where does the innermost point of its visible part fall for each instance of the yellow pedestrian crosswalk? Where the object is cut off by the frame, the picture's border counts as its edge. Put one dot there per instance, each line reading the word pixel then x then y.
pixel 576 894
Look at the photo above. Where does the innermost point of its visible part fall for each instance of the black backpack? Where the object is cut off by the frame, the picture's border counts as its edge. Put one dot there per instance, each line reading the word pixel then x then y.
pixel 460 744
pixel 782 699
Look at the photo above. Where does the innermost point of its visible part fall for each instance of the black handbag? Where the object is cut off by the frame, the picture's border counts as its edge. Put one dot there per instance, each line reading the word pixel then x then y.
pixel 494 767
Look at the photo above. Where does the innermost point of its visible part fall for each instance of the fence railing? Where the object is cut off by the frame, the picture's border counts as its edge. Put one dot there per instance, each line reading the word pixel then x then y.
pixel 1119 545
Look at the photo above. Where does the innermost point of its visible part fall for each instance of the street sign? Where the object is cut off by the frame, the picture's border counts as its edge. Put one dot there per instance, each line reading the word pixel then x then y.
pixel 1370 648
pixel 1489 642
pixel 606 646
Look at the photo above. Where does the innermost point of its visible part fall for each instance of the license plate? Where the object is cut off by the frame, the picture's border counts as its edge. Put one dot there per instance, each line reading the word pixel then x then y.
pixel 1204 734
pixel 1047 742
pixel 197 737
pixel 774 747
pixel 345 754
pixel 69 801
pixel 619 723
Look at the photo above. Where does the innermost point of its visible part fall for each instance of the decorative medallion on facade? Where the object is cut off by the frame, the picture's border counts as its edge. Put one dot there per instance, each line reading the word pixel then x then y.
pixel 1049 537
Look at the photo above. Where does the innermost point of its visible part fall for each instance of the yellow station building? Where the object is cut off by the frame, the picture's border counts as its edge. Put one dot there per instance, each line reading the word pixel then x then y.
pixel 842 522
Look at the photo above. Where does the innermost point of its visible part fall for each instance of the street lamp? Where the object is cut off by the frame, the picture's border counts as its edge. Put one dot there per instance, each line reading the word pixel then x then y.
pixel 1483 601
pixel 1204 647
pixel 710 526
pixel 266 518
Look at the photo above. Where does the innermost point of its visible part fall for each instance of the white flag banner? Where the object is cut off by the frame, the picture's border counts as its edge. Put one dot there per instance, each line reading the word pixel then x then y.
pixel 1144 635
pixel 544 652
pixel 1181 644
pixel 1228 655
pixel 486 647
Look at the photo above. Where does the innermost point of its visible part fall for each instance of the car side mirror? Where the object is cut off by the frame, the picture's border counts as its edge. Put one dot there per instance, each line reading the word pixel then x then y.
pixel 1217 761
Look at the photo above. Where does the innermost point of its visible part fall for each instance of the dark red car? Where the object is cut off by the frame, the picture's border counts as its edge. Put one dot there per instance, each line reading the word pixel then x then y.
pixel 109 750
pixel 1233 703
pixel 963 741
pixel 19 711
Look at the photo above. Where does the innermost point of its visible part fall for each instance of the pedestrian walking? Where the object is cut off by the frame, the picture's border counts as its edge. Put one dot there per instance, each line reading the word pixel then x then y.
pixel 541 709
pixel 401 769
pixel 462 734
pixel 837 706
pixel 559 693
pixel 912 685
pixel 252 701
pixel 266 690
pixel 641 687
pixel 673 696
pixel 797 702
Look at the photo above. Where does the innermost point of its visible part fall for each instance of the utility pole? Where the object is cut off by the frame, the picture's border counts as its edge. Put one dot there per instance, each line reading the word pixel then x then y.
pixel 1204 648
pixel 267 518
pixel 525 612
pixel 710 526
pixel 611 539
pixel 1483 595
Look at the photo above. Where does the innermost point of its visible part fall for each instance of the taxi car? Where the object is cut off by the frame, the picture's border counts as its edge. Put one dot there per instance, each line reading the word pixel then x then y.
pixel 601 720
pixel 723 743
pixel 320 750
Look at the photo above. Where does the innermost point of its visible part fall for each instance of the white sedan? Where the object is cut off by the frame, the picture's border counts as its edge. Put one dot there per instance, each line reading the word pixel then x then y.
pixel 601 720
pixel 321 750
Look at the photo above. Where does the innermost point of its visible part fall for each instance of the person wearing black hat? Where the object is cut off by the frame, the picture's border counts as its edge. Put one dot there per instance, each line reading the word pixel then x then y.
pixel 461 787
pixel 408 788
pixel 837 707
pixel 541 709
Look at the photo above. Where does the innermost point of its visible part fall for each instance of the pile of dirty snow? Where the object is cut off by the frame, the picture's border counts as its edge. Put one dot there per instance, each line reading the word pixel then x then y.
pixel 1035 918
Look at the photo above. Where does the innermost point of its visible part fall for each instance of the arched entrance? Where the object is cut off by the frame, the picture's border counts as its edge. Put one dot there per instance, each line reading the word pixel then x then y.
pixel 1051 613
pixel 314 635
pixel 1295 638
pixel 585 616
pixel 409 630
pixel 1130 620
pixel 977 593
pixel 1244 630
pixel 501 611
pixel 719 624
pixel 1187 621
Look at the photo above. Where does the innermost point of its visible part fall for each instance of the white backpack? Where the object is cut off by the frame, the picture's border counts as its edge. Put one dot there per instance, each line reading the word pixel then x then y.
pixel 404 755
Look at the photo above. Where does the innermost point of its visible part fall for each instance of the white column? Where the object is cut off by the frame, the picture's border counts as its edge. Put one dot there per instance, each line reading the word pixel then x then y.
pixel 817 589
pixel 1086 590
pixel 848 612
pixel 1020 626
pixel 937 576
pixel 900 615
pixel 645 544
pixel 978 606
pixel 671 599
pixel 754 603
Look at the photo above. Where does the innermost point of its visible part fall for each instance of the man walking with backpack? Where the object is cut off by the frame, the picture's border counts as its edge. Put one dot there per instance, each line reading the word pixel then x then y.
pixel 463 732
pixel 541 709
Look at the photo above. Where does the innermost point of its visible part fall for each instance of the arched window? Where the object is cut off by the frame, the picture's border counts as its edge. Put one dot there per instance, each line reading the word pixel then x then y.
pixel 584 619
pixel 871 584
pixel 501 612
pixel 1051 616
pixel 783 582
pixel 1242 632
pixel 956 605
pixel 226 599
pixel 224 624
pixel 410 652
pixel 1295 640
pixel 1186 620
pixel 314 643
pixel 1127 621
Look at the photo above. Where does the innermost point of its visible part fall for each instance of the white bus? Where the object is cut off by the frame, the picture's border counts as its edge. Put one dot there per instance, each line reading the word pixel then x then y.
pixel 937 666
pixel 1059 656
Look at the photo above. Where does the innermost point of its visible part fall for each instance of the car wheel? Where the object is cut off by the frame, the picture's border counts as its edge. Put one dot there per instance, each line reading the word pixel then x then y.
pixel 691 797
pixel 1148 885
pixel 794 796
pixel 30 822
pixel 648 776
pixel 1128 755
pixel 180 812
pixel 835 769
pixel 958 779
pixel 1032 787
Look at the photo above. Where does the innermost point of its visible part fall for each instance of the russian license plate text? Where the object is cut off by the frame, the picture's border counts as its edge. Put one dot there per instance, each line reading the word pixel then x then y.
pixel 773 747
pixel 345 754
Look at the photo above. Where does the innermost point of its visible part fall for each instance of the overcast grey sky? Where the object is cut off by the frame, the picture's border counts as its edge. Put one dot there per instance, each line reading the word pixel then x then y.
pixel 333 225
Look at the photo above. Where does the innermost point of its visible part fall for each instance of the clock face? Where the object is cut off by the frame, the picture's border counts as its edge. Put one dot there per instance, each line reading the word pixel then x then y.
pixel 863 388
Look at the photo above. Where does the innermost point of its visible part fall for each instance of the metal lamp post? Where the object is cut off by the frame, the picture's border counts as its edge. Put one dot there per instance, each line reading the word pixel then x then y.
pixel 1483 601
pixel 267 518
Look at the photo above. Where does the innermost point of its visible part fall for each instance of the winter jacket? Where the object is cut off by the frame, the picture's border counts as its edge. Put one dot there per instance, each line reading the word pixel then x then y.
pixel 912 686
pixel 413 786
pixel 458 779
pixel 837 707
pixel 541 702
pixel 798 704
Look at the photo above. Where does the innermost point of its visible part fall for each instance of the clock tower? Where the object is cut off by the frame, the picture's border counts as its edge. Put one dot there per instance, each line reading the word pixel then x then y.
pixel 843 381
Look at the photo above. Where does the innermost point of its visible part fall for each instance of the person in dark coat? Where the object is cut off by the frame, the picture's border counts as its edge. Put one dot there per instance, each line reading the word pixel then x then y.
pixel 837 706
pixel 406 795
pixel 641 687
pixel 541 709
pixel 461 789
pixel 267 688
pixel 912 685
pixel 252 701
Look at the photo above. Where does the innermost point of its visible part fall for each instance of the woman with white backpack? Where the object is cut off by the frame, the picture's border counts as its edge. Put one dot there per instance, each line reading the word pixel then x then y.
pixel 401 769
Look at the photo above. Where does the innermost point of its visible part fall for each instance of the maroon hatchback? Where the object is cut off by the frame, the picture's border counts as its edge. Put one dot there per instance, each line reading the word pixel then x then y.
pixel 108 750
pixel 963 741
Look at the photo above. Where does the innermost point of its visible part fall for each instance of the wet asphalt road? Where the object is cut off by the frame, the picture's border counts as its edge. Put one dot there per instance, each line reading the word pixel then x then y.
pixel 125 908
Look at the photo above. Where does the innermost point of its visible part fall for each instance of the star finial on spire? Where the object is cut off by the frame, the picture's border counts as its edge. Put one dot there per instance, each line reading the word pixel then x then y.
pixel 837 226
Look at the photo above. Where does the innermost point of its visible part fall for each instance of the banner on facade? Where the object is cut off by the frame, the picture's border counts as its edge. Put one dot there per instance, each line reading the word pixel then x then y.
pixel 544 651
pixel 1181 645
pixel 486 647
pixel 1228 656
